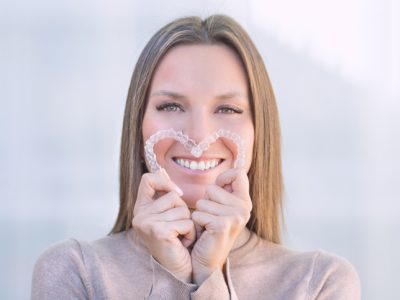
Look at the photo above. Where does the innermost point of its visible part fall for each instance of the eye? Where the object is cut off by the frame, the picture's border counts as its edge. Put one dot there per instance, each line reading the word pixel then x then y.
pixel 228 109
pixel 170 106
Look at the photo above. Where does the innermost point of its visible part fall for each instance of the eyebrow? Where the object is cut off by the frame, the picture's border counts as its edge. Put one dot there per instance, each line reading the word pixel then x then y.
pixel 175 95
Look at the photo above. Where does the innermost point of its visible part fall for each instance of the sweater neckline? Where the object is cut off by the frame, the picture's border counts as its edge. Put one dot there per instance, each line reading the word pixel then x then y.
pixel 244 243
pixel 241 249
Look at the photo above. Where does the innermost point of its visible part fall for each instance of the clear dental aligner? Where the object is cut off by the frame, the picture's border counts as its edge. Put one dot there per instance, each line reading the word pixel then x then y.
pixel 195 149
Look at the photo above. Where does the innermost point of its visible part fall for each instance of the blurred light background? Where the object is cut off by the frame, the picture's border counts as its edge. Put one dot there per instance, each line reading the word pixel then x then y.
pixel 65 67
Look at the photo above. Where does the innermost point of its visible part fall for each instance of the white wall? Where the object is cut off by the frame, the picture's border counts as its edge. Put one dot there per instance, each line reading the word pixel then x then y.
pixel 64 75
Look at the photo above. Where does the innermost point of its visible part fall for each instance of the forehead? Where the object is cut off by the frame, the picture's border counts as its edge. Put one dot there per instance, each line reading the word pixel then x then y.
pixel 200 69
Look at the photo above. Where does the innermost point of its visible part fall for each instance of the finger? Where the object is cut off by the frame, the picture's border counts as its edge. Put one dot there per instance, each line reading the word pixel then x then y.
pixel 165 202
pixel 213 208
pixel 151 183
pixel 203 219
pixel 185 228
pixel 162 172
pixel 174 214
pixel 218 194
pixel 237 180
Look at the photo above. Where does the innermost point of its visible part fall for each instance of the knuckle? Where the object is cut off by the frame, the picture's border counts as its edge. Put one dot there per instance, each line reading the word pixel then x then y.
pixel 171 196
pixel 135 211
pixel 245 214
pixel 222 226
pixel 145 182
pixel 173 199
pixel 249 204
pixel 174 195
pixel 236 220
pixel 200 204
pixel 146 177
pixel 158 232
pixel 139 224
pixel 185 212
pixel 135 223
pixel 194 215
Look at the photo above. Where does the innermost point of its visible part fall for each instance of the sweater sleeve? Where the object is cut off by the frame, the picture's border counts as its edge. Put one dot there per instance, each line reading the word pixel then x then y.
pixel 216 287
pixel 167 286
pixel 333 278
pixel 59 273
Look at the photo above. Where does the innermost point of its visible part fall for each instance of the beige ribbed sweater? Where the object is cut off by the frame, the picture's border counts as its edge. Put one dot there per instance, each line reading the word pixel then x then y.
pixel 120 267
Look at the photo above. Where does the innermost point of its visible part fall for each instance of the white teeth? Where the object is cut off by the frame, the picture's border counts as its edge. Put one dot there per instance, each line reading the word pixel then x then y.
pixel 201 165
pixel 194 165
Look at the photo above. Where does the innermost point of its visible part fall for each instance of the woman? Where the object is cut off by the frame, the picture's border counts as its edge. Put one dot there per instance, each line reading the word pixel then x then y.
pixel 198 228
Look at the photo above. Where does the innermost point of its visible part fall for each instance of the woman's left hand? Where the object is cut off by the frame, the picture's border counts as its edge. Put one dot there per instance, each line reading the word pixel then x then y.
pixel 223 214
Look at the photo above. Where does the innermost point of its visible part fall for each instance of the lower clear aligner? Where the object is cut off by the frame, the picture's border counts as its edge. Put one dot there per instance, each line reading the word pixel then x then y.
pixel 195 149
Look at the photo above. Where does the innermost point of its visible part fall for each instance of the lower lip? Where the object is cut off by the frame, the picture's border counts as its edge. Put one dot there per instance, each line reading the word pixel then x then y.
pixel 197 172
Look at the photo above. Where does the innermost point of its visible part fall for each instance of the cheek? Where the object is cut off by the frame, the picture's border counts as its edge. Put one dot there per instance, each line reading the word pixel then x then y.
pixel 246 132
pixel 161 148
pixel 249 139
pixel 149 126
pixel 249 155
pixel 154 122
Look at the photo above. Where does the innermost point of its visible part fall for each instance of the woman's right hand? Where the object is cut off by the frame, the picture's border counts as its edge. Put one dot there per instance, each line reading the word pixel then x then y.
pixel 164 223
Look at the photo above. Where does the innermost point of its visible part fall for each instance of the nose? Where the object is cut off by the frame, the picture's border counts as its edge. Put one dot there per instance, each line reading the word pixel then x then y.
pixel 199 125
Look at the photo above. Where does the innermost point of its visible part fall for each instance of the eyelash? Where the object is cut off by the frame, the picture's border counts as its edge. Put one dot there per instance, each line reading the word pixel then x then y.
pixel 172 106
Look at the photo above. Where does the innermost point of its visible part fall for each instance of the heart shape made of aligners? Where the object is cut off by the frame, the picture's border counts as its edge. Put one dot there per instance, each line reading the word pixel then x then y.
pixel 195 149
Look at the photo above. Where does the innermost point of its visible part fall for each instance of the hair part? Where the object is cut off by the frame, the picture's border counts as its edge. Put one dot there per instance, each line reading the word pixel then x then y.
pixel 265 175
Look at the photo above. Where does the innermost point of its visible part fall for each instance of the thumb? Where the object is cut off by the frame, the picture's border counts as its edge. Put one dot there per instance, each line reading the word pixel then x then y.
pixel 188 236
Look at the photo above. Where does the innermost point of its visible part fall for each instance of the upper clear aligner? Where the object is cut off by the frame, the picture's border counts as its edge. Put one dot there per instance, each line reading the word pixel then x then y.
pixel 195 149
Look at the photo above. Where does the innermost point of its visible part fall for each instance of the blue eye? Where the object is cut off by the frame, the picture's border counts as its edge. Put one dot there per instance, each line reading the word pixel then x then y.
pixel 226 109
pixel 174 107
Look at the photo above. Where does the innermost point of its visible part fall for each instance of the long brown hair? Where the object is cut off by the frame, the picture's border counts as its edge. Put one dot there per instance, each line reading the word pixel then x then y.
pixel 266 185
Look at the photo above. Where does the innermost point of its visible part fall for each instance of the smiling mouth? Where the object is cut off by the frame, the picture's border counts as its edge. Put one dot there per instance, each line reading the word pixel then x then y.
pixel 202 165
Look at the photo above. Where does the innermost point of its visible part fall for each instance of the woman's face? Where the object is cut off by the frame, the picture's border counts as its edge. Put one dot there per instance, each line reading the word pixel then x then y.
pixel 199 89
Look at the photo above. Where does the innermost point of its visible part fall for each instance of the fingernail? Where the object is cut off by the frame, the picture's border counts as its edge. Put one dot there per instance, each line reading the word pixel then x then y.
pixel 164 172
pixel 179 191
